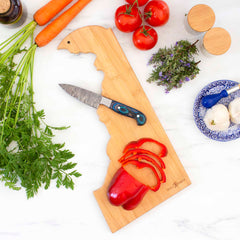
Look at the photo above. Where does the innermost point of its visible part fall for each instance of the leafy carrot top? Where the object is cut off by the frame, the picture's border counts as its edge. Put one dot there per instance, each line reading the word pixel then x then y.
pixel 28 156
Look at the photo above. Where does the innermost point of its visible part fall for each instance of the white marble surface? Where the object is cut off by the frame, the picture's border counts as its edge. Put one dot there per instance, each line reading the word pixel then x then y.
pixel 208 209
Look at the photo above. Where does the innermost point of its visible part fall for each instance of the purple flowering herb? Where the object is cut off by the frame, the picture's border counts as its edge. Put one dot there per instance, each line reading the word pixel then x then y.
pixel 180 69
pixel 166 91
pixel 150 60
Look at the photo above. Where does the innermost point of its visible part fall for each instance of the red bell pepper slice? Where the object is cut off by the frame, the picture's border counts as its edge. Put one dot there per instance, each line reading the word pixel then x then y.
pixel 140 142
pixel 143 165
pixel 141 151
pixel 139 157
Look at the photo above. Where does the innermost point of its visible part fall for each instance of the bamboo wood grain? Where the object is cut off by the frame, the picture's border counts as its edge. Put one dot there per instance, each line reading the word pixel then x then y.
pixel 217 41
pixel 120 83
pixel 201 18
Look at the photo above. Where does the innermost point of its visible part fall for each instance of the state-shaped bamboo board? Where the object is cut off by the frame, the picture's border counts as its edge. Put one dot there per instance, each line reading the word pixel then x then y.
pixel 120 83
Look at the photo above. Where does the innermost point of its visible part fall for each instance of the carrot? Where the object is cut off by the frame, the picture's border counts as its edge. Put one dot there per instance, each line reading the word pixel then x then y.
pixel 55 27
pixel 48 11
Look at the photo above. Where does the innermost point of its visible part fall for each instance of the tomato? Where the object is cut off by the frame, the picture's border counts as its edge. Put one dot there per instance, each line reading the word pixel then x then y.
pixel 156 13
pixel 145 38
pixel 140 2
pixel 127 18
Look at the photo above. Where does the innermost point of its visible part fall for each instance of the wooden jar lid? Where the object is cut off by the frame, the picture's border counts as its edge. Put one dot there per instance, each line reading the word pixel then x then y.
pixel 4 6
pixel 217 41
pixel 201 18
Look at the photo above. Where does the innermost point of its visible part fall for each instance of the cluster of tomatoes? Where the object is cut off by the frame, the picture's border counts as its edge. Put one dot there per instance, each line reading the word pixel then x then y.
pixel 129 18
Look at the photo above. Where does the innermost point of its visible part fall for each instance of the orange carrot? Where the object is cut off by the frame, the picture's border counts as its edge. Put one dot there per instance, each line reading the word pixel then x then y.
pixel 55 27
pixel 48 11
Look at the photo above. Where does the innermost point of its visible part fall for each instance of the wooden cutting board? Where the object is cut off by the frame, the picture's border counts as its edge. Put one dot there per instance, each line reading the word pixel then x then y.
pixel 120 83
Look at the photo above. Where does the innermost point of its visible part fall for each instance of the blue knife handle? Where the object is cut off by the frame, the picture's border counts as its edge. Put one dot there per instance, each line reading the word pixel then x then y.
pixel 128 112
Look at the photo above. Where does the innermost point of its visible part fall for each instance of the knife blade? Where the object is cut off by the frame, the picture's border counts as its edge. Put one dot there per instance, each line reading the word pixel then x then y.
pixel 94 100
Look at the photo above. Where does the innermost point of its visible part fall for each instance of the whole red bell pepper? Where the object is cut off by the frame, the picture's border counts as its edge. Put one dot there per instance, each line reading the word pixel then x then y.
pixel 133 202
pixel 125 190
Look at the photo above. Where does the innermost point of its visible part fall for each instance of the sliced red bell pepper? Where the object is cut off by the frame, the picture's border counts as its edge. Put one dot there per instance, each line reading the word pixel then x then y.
pixel 140 142
pixel 141 151
pixel 140 157
pixel 143 165
pixel 126 191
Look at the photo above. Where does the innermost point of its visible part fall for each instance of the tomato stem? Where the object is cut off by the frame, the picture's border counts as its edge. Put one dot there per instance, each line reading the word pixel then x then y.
pixel 128 10
pixel 126 13
pixel 136 1
pixel 147 15
pixel 145 32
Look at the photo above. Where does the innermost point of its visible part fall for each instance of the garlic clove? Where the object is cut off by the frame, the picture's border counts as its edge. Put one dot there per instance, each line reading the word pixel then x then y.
pixel 234 110
pixel 217 118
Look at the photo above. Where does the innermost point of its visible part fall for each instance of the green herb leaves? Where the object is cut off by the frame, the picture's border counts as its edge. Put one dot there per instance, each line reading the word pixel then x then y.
pixel 28 156
pixel 174 66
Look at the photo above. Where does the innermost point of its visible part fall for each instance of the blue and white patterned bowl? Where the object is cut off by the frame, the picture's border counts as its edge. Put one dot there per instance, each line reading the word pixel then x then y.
pixel 199 111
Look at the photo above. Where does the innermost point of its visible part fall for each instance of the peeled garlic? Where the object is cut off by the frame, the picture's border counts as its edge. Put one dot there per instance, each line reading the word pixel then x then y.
pixel 217 118
pixel 234 110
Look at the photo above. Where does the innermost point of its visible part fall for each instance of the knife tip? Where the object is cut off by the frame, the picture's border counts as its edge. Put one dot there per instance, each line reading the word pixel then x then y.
pixel 61 85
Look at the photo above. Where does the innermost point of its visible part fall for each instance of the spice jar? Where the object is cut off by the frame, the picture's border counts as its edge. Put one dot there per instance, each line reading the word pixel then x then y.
pixel 217 41
pixel 10 11
pixel 201 18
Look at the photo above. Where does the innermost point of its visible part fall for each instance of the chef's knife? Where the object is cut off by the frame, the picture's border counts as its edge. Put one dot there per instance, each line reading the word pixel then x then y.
pixel 94 100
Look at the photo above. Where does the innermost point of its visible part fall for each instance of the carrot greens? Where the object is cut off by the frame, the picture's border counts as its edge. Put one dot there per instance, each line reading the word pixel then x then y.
pixel 29 158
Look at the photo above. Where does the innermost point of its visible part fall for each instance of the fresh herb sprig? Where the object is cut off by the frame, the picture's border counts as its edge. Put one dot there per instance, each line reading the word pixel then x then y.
pixel 175 65
pixel 28 156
